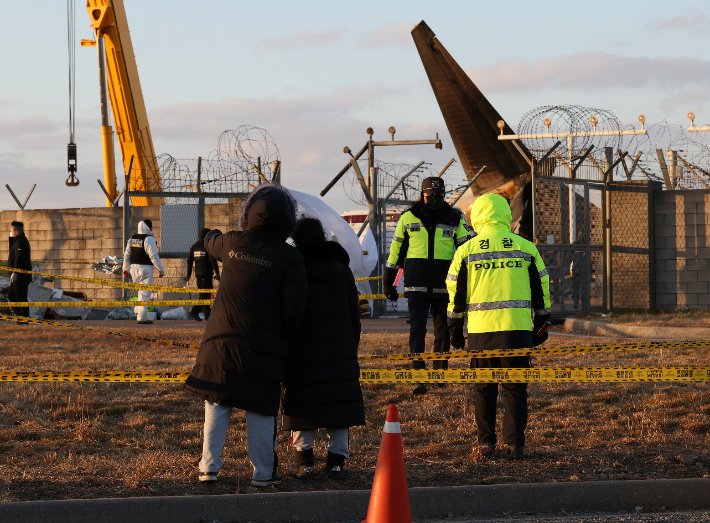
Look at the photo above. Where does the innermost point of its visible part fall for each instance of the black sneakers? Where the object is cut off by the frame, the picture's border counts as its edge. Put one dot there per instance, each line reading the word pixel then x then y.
pixel 208 477
pixel 515 452
pixel 419 389
pixel 335 472
pixel 195 316
pixel 302 472
pixel 145 322
pixel 275 480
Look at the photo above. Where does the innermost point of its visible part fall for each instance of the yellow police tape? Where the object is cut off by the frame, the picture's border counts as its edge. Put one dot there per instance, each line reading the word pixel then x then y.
pixel 513 375
pixel 376 296
pixel 537 375
pixel 80 327
pixel 62 304
pixel 119 284
pixel 369 278
pixel 70 261
pixel 540 351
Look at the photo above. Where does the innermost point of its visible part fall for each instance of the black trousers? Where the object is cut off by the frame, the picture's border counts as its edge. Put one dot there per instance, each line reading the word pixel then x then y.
pixel 18 292
pixel 205 283
pixel 418 312
pixel 515 395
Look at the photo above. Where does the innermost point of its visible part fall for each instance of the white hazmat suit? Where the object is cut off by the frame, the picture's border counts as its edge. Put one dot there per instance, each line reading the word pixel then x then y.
pixel 143 274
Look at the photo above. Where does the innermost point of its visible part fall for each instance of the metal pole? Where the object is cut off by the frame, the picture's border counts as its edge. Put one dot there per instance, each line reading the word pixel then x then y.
pixel 201 198
pixel 126 215
pixel 608 168
pixel 374 217
pixel 588 253
pixel 534 167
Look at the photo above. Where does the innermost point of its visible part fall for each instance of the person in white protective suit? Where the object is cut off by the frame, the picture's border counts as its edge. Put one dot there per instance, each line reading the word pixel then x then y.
pixel 140 258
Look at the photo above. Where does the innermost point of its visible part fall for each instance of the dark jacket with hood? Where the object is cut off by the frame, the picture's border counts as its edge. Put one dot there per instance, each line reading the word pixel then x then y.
pixel 19 257
pixel 322 372
pixel 205 265
pixel 259 305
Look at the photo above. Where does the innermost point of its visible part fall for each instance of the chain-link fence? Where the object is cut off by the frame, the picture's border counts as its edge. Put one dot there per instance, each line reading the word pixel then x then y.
pixel 570 239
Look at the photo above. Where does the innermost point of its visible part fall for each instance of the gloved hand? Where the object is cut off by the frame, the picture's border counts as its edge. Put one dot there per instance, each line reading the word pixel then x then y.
pixel 391 293
pixel 13 277
pixel 540 325
pixel 457 339
pixel 126 274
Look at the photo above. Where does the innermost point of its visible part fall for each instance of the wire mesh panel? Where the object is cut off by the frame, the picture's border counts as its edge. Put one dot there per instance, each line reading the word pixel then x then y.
pixel 632 256
pixel 569 238
pixel 178 228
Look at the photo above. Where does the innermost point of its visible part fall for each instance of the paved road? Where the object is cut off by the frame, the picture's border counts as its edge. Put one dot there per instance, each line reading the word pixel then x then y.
pixel 699 516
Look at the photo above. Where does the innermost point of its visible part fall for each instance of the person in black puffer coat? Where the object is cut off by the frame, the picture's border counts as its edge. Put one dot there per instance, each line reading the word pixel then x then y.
pixel 322 372
pixel 19 257
pixel 259 305
pixel 205 267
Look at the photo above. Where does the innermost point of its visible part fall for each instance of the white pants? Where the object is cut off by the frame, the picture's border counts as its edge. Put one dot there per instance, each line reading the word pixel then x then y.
pixel 142 274
pixel 261 440
pixel 337 440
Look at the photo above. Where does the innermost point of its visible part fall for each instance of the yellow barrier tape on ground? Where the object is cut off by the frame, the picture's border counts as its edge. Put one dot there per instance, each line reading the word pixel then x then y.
pixel 369 278
pixel 119 284
pixel 376 296
pixel 98 377
pixel 80 327
pixel 518 375
pixel 537 375
pixel 63 304
pixel 540 351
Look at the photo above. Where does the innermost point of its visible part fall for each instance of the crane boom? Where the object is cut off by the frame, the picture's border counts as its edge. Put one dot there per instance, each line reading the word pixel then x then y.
pixel 108 19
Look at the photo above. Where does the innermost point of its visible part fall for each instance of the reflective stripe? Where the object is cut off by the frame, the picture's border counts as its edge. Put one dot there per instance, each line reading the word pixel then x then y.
pixel 395 239
pixel 455 314
pixel 542 312
pixel 452 277
pixel 462 240
pixel 415 289
pixel 440 291
pixel 497 255
pixel 493 305
pixel 447 227
pixel 543 273
pixel 413 226
pixel 392 427
pixel 392 266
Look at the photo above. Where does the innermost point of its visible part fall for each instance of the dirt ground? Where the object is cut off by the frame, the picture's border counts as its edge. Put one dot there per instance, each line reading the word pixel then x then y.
pixel 73 440
pixel 674 318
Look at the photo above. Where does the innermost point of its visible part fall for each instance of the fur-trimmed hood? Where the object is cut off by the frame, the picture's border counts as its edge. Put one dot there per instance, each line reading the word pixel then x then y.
pixel 270 208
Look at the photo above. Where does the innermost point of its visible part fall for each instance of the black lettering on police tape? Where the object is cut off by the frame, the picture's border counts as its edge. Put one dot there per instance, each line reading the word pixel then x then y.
pixel 499 375
pixel 531 374
pixel 400 375
pixel 684 373
pixel 434 375
pixel 369 375
pixel 563 374
pixel 594 374
pixel 654 374
pixel 467 375
pixel 624 374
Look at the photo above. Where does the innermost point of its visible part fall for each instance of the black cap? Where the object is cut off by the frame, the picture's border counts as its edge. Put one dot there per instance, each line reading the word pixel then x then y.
pixel 149 223
pixel 433 184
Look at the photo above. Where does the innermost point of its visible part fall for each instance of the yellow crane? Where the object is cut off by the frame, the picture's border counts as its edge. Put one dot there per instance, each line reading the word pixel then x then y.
pixel 118 74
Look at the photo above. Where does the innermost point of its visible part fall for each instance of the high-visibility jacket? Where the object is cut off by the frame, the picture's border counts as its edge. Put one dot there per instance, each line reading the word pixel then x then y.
pixel 496 279
pixel 424 244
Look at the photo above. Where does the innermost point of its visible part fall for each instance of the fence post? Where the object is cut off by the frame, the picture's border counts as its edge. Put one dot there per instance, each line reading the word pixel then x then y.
pixel 201 199
pixel 608 294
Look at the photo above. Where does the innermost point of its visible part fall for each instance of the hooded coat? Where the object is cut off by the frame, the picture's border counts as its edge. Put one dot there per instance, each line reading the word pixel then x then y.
pixel 322 372
pixel 259 305
pixel 497 279
pixel 19 257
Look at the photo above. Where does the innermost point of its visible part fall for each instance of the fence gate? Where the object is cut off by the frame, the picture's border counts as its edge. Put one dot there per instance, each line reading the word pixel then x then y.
pixel 570 238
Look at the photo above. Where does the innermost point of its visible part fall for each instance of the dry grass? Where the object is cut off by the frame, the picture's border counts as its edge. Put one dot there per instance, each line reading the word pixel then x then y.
pixel 71 440
pixel 657 318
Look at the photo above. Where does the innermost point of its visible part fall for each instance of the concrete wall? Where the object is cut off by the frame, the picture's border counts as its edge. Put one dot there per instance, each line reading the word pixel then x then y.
pixel 63 236
pixel 682 249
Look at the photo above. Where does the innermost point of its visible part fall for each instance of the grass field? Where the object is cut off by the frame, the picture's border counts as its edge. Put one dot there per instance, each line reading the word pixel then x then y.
pixel 72 440
pixel 658 318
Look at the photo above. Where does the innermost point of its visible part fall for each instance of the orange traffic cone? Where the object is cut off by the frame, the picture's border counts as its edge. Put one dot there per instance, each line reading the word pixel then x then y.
pixel 389 501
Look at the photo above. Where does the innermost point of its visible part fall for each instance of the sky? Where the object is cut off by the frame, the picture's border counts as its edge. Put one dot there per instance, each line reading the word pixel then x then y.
pixel 317 74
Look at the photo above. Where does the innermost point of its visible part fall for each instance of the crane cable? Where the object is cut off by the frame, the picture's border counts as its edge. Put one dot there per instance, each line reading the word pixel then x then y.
pixel 71 44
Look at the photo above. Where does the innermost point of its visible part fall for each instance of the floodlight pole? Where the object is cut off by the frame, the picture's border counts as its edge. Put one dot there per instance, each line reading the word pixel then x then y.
pixel 377 215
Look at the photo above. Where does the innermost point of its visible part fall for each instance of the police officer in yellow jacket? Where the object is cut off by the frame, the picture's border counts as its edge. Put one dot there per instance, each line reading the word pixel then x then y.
pixel 498 279
pixel 424 243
